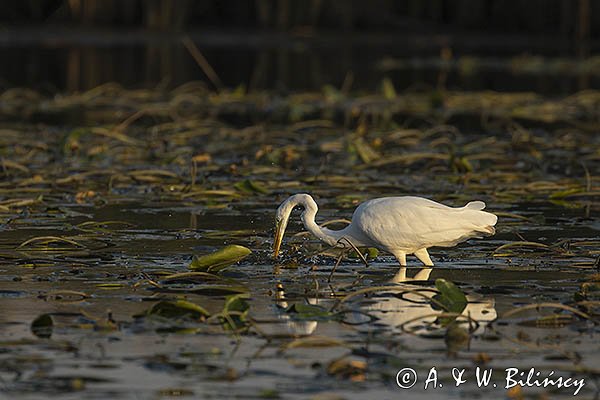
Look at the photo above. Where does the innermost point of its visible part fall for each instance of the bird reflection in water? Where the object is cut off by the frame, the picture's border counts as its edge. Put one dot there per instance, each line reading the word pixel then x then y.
pixel 409 310
pixel 414 312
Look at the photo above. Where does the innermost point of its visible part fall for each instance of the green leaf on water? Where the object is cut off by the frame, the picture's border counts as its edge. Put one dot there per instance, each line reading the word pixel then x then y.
pixel 451 298
pixel 219 290
pixel 332 94
pixel 70 143
pixel 235 312
pixel 436 99
pixel 307 311
pixel 269 394
pixel 251 187
pixel 42 326
pixel 236 303
pixel 456 337
pixel 220 259
pixel 364 150
pixel 178 309
pixel 564 193
pixel 109 286
pixel 387 87
pixel 370 253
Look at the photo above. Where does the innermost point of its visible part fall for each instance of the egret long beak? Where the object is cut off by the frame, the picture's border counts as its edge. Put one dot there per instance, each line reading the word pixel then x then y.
pixel 279 230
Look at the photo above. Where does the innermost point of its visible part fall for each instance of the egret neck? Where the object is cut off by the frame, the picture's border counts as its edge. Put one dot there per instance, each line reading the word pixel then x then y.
pixel 308 219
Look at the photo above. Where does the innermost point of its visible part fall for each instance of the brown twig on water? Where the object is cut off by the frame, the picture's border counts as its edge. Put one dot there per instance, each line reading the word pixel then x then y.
pixel 360 255
pixel 202 62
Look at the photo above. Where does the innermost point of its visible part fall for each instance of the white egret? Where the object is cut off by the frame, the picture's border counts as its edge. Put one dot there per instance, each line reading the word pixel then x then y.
pixel 398 225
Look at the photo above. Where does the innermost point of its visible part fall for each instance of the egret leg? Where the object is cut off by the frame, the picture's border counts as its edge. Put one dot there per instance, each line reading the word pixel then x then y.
pixel 401 256
pixel 423 255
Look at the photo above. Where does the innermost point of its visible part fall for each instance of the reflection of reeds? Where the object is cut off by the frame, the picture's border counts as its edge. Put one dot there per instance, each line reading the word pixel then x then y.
pixel 576 18
pixel 154 14
pixel 583 28
pixel 173 15
pixel 162 62
pixel 583 37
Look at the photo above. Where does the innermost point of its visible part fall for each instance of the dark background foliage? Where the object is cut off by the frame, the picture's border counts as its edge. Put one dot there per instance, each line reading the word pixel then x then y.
pixel 284 44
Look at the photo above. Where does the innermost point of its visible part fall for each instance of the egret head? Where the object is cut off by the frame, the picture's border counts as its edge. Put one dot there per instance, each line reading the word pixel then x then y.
pixel 282 217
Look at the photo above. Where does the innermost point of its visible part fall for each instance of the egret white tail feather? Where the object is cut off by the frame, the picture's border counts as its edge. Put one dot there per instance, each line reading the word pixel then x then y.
pixel 475 205
pixel 398 225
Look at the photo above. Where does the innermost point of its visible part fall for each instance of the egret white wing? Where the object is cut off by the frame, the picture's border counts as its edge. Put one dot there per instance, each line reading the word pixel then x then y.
pixel 411 223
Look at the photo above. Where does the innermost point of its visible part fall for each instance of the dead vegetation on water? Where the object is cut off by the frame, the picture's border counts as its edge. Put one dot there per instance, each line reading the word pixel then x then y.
pixel 107 194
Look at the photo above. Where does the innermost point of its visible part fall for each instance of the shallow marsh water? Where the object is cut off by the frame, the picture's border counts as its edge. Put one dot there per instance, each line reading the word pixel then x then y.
pixel 109 193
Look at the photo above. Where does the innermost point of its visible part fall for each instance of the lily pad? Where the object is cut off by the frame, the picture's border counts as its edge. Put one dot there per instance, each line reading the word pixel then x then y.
pixel 178 309
pixel 220 259
pixel 234 312
pixel 347 368
pixel 251 187
pixel 42 326
pixel 456 337
pixel 236 303
pixel 450 298
pixel 388 89
pixel 370 253
pixel 307 311
pixel 364 150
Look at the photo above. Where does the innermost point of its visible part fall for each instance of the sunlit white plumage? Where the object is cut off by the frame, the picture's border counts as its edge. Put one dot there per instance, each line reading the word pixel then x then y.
pixel 398 225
